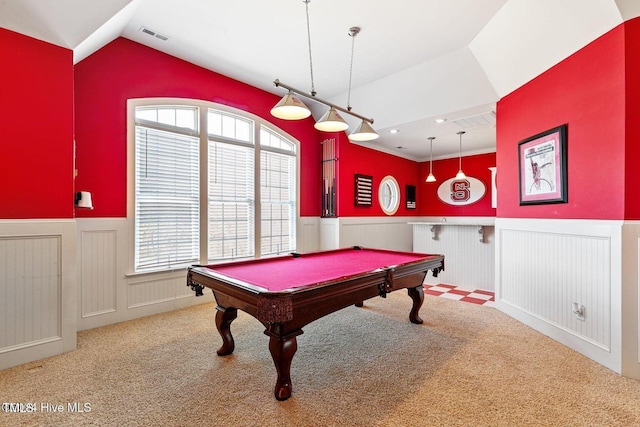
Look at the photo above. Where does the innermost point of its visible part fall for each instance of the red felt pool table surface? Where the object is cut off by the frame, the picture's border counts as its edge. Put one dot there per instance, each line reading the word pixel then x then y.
pixel 291 272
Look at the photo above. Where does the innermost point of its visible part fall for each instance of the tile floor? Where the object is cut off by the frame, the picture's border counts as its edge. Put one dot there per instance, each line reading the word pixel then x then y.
pixel 478 296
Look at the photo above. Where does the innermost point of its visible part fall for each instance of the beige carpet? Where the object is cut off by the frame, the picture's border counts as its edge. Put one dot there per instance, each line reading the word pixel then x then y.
pixel 467 365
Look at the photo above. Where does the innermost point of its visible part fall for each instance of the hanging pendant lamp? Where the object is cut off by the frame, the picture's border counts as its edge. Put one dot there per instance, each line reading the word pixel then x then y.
pixel 290 108
pixel 331 122
pixel 460 174
pixel 430 177
pixel 364 132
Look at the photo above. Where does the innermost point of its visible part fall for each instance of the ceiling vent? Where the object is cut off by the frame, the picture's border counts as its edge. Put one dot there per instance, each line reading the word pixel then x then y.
pixel 154 34
pixel 477 121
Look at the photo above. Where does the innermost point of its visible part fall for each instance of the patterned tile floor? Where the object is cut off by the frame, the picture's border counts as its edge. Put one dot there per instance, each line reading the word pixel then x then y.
pixel 478 296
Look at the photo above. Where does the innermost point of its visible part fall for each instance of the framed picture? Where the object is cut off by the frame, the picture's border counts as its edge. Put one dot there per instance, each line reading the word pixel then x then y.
pixel 542 161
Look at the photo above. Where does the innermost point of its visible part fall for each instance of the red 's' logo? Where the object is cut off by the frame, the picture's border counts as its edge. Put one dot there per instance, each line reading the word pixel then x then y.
pixel 460 191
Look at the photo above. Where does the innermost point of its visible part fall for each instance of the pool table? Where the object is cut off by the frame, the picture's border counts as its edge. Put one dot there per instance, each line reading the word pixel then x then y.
pixel 286 293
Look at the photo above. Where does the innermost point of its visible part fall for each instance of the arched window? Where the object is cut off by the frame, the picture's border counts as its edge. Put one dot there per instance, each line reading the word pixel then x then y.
pixel 211 183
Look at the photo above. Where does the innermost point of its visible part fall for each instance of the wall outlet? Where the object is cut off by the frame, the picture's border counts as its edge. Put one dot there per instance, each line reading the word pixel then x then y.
pixel 578 309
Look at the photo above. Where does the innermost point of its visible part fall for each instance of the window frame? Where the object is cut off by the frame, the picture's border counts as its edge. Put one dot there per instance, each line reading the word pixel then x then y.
pixel 203 109
pixel 389 207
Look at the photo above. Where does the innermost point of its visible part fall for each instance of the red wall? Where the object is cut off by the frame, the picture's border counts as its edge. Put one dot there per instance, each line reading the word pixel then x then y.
pixel 587 92
pixel 476 166
pixel 632 152
pixel 36 128
pixel 355 159
pixel 124 69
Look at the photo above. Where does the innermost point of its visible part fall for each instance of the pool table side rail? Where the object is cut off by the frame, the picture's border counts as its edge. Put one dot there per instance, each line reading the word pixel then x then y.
pixel 198 273
pixel 298 306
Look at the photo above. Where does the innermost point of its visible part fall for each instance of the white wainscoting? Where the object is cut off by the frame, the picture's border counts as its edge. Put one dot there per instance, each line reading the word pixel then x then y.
pixel 98 271
pixel 469 261
pixel 393 233
pixel 308 234
pixel 37 290
pixel 544 266
pixel 151 290
pixel 108 292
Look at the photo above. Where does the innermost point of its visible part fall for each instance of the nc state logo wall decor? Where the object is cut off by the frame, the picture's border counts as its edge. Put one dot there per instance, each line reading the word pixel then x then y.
pixel 461 192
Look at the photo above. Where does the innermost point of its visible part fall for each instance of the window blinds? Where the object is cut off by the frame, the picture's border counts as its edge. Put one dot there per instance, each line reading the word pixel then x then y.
pixel 231 201
pixel 167 199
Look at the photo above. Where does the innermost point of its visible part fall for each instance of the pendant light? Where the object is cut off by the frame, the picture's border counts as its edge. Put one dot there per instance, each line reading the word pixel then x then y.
pixel 331 122
pixel 364 132
pixel 292 108
pixel 460 174
pixel 431 178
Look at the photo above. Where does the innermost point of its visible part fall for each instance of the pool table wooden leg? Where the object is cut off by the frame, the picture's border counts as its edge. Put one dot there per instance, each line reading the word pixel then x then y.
pixel 282 350
pixel 224 317
pixel 417 295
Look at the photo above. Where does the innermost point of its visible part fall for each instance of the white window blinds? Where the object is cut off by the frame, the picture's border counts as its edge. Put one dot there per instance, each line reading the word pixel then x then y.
pixel 197 172
pixel 167 200
pixel 231 201
pixel 278 203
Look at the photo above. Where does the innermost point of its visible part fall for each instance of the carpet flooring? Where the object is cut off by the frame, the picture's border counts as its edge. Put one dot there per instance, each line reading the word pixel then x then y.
pixel 467 365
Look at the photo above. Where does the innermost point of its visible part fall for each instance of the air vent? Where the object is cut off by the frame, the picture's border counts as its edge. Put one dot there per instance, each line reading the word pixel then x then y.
pixel 480 120
pixel 154 34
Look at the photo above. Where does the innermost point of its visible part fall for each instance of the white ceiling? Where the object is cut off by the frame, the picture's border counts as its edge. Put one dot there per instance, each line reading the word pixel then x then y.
pixel 414 60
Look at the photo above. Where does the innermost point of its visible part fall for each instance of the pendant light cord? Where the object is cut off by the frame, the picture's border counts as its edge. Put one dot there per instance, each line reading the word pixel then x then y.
pixel 353 31
pixel 460 154
pixel 313 89
pixel 460 150
pixel 431 153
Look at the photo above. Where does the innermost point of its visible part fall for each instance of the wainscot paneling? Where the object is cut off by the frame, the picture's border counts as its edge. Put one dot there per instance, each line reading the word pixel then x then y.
pixel 549 272
pixel 468 245
pixel 156 290
pixel 329 234
pixel 98 263
pixel 308 234
pixel 37 290
pixel 545 266
pixel 31 292
pixel 393 233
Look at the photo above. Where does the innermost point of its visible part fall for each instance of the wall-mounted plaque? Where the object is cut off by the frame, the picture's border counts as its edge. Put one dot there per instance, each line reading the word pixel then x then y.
pixel 363 190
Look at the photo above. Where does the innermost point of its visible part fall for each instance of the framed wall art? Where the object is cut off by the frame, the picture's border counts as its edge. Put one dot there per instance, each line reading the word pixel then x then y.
pixel 542 161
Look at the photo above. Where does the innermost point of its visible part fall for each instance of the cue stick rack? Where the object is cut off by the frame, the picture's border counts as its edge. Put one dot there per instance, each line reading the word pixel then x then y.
pixel 329 163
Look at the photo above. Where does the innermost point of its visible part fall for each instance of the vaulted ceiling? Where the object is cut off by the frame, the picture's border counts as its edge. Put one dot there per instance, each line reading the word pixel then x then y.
pixel 414 61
